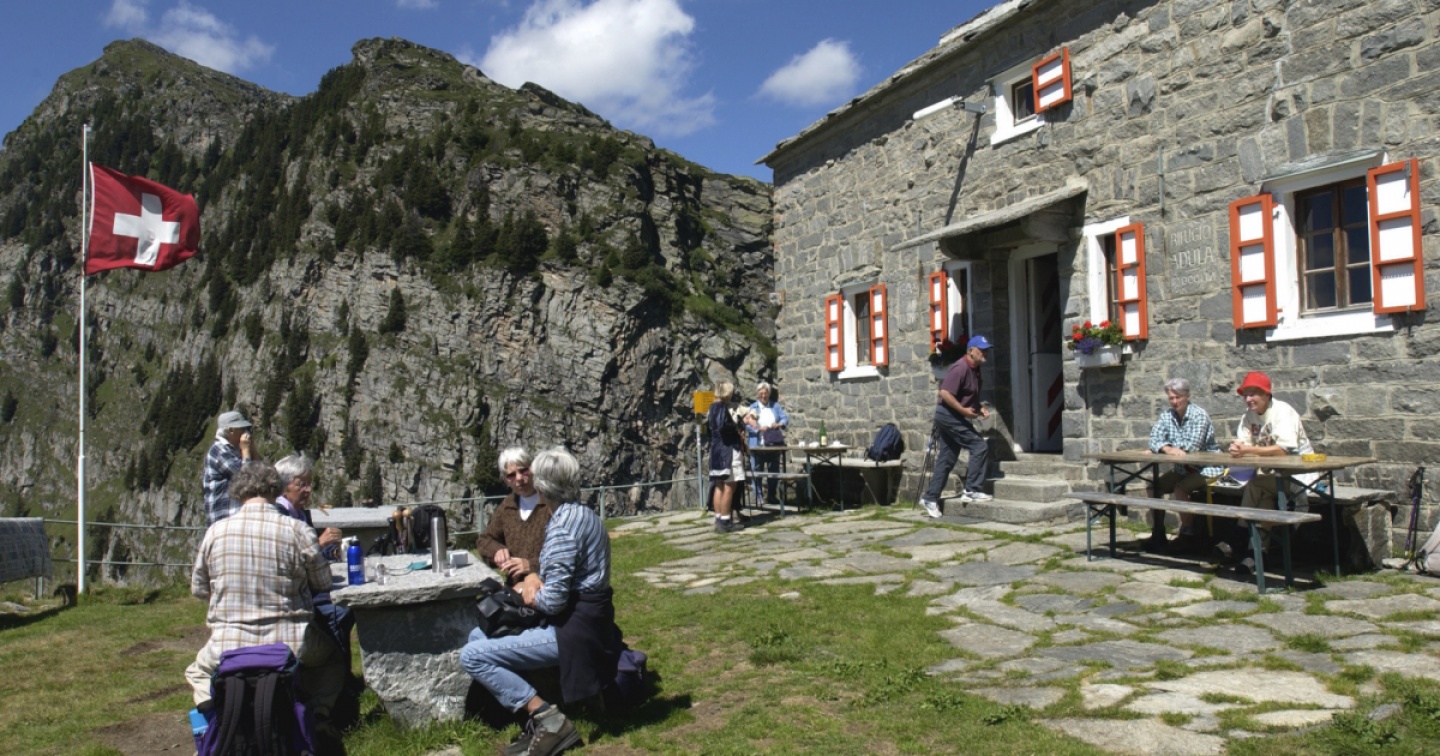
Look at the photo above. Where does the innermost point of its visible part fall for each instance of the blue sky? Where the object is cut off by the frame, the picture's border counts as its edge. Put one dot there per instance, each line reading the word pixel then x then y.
pixel 717 81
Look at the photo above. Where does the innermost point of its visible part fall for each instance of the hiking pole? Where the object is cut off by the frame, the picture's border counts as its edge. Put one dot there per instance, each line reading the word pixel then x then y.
pixel 926 466
pixel 1417 487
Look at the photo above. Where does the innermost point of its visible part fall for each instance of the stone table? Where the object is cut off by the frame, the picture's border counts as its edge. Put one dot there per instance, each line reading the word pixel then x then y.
pixel 365 523
pixel 411 630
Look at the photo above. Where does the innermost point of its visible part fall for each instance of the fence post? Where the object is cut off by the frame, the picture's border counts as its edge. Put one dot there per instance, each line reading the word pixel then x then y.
pixel 699 471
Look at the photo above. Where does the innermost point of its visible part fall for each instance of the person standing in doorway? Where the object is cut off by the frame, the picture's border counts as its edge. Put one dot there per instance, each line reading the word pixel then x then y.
pixel 956 409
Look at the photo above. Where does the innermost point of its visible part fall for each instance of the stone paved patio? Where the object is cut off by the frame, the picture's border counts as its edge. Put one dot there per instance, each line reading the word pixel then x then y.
pixel 1167 639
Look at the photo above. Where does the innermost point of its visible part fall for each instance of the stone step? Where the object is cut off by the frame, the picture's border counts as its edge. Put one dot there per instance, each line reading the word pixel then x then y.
pixel 1016 512
pixel 1030 489
pixel 1044 468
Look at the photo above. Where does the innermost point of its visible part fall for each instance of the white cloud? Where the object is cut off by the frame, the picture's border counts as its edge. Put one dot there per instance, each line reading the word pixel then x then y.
pixel 826 73
pixel 417 4
pixel 629 60
pixel 193 32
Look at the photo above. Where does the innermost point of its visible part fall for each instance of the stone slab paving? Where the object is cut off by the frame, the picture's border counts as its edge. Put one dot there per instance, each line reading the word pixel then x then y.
pixel 1031 620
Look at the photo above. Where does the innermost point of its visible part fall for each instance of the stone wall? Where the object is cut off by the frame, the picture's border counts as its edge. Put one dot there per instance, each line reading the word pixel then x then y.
pixel 1179 108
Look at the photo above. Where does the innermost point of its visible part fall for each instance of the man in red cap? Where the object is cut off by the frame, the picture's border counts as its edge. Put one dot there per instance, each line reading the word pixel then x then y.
pixel 956 408
pixel 1270 428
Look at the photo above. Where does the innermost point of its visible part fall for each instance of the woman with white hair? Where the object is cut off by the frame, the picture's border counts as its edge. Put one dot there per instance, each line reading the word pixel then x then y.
pixel 727 455
pixel 572 588
pixel 516 530
pixel 768 429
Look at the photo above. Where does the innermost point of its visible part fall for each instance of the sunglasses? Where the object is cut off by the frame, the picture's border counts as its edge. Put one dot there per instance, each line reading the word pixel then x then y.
pixel 517 472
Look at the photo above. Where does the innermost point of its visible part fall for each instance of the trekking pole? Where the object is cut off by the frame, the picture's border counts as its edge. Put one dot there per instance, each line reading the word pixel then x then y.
pixel 1417 487
pixel 925 467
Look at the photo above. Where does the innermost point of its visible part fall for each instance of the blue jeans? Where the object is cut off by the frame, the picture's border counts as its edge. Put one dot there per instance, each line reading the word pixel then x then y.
pixel 494 662
pixel 953 434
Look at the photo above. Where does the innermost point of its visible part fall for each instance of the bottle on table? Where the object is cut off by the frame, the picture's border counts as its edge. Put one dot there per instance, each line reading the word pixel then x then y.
pixel 824 439
pixel 355 562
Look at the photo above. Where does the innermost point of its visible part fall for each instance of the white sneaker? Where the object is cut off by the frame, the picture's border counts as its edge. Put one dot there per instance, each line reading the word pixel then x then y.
pixel 931 508
pixel 973 496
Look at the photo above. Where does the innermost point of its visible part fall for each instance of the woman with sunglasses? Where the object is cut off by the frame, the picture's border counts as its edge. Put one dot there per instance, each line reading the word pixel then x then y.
pixel 516 531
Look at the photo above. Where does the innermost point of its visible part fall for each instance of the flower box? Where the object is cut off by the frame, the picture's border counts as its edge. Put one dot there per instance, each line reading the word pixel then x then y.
pixel 1099 357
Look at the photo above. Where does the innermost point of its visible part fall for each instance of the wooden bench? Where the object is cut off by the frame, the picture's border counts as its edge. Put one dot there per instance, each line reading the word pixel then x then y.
pixel 1106 504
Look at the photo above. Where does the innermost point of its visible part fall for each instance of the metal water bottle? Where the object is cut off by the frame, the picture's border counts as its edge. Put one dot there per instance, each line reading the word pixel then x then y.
pixel 439 550
pixel 355 561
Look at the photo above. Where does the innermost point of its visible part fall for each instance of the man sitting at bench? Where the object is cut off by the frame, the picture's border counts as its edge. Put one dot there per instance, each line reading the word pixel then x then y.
pixel 1181 429
pixel 1270 428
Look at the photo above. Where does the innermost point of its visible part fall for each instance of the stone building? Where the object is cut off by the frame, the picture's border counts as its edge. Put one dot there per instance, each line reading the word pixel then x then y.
pixel 1245 185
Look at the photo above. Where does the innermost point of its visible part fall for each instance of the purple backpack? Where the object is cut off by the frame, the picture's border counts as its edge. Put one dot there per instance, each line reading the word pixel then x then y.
pixel 257 708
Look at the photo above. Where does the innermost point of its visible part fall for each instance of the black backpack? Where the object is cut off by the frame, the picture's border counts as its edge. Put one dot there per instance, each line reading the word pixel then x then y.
pixel 420 518
pixel 887 445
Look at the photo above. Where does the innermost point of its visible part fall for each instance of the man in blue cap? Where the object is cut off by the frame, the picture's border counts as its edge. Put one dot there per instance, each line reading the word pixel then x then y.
pixel 956 409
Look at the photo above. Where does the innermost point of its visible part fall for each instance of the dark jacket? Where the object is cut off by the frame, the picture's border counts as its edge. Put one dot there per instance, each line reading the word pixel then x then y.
pixel 589 644
pixel 523 538
pixel 725 437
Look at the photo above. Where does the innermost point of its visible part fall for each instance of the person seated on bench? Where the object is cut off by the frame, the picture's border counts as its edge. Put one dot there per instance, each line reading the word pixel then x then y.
pixel 1181 429
pixel 572 588
pixel 511 541
pixel 260 569
pixel 1270 428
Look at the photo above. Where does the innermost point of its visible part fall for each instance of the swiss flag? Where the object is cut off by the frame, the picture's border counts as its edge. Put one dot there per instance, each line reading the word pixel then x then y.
pixel 137 223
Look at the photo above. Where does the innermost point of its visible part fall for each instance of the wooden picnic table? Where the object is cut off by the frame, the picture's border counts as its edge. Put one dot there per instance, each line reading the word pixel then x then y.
pixel 1145 467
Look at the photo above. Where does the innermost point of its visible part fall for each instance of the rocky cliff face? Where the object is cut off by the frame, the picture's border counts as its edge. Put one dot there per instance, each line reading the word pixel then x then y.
pixel 399 274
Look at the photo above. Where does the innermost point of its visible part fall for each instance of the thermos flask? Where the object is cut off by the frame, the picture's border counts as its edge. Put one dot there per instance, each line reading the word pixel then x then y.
pixel 355 560
pixel 439 551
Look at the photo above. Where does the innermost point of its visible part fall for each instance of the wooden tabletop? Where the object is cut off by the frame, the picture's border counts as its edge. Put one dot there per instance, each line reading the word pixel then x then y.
pixel 1287 463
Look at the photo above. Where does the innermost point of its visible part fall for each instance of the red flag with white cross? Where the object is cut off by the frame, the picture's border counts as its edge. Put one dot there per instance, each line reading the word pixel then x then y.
pixel 137 223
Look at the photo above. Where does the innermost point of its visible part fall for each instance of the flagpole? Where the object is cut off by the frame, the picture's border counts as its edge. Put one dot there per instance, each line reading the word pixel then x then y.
pixel 80 465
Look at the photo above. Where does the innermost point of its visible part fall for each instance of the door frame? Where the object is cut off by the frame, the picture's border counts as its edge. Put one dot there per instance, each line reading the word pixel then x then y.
pixel 1024 392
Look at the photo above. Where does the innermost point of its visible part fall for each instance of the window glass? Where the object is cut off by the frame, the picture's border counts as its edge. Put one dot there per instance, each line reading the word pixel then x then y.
pixel 1334 244
pixel 860 304
pixel 1112 297
pixel 1022 100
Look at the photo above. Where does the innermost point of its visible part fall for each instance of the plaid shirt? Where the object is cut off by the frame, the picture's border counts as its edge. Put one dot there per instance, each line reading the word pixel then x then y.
pixel 259 568
pixel 1192 433
pixel 221 463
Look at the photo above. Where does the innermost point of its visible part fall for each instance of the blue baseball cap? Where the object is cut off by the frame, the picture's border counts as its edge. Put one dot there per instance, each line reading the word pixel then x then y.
pixel 978 342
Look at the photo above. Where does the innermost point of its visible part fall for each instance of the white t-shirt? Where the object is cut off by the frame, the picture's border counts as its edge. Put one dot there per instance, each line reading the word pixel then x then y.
pixel 527 505
pixel 1279 426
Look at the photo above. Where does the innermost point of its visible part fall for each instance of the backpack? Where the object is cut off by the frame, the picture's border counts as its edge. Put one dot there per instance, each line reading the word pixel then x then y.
pixel 420 518
pixel 887 445
pixel 257 708
pixel 632 682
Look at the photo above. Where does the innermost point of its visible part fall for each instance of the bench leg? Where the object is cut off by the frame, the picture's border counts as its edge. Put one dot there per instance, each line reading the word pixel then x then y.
pixel 1091 516
pixel 1258 550
pixel 1285 552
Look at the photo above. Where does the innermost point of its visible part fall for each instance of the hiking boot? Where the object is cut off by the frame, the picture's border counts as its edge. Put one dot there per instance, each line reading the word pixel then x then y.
pixel 553 734
pixel 722 526
pixel 521 744
pixel 974 496
pixel 735 526
pixel 1223 550
pixel 931 508
pixel 1245 568
pixel 1185 543
pixel 1157 543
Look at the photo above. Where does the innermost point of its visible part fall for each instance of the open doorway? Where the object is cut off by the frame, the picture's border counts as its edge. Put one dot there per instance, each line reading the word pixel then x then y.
pixel 1037 359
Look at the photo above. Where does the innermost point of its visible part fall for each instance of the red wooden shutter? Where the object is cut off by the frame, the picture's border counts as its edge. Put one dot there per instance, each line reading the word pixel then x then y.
pixel 879 334
pixel 939 308
pixel 1252 262
pixel 1051 79
pixel 1397 269
pixel 1130 281
pixel 834 333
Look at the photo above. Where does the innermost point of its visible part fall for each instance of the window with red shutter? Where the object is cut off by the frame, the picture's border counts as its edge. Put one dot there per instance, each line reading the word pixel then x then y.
pixel 1398 272
pixel 1051 78
pixel 1130 281
pixel 834 333
pixel 1252 262
pixel 879 332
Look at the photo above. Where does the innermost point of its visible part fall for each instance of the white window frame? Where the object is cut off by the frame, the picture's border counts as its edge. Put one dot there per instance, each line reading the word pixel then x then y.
pixel 1291 325
pixel 1003 85
pixel 1095 273
pixel 955 299
pixel 853 369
